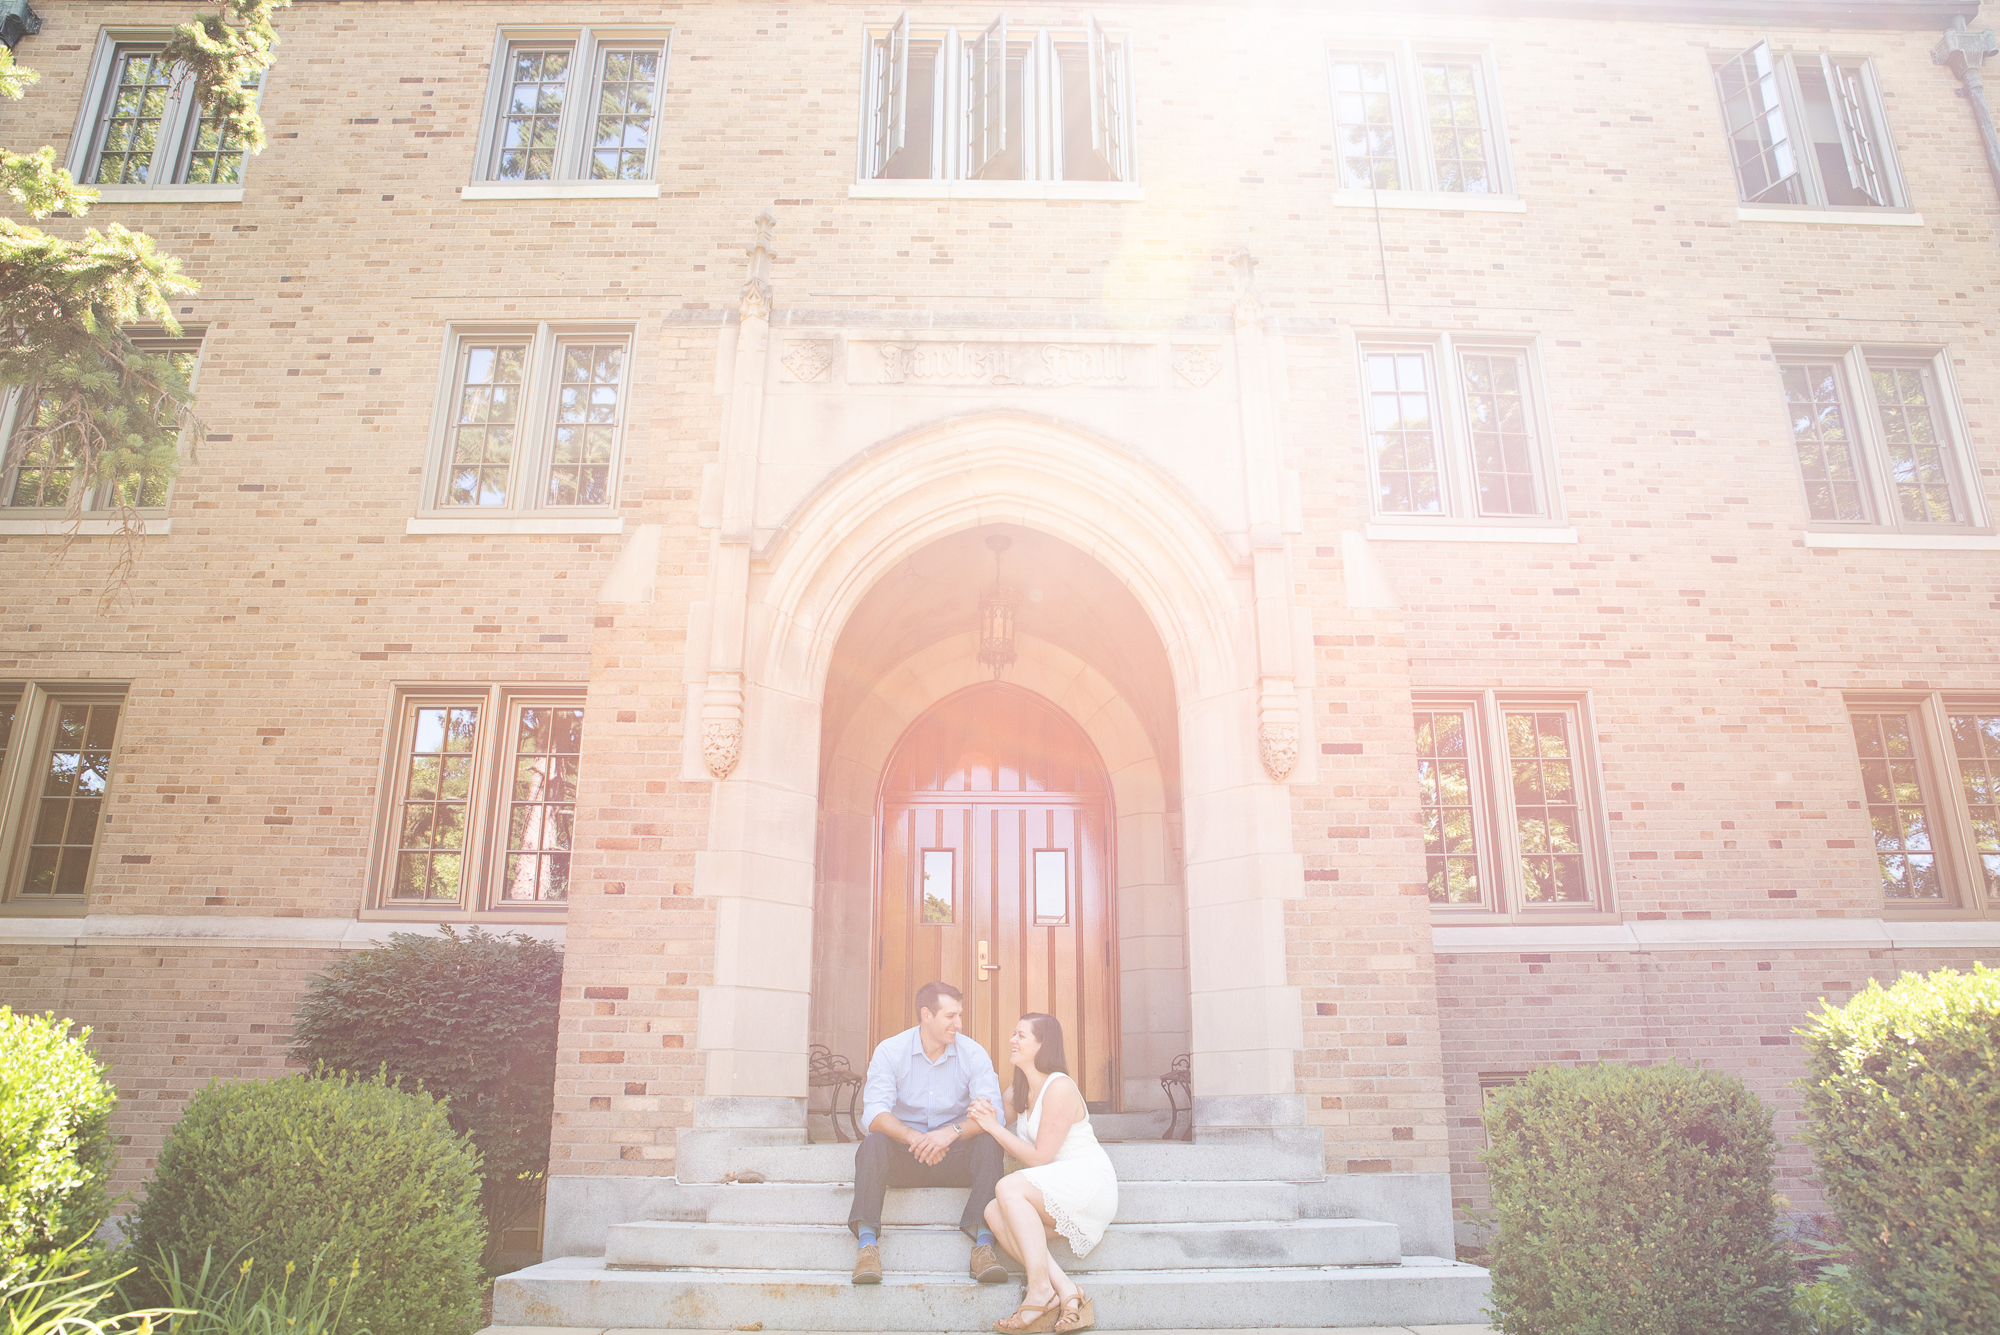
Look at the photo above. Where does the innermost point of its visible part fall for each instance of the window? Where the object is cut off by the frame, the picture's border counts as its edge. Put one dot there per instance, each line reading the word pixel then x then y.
pixel 44 472
pixel 1042 104
pixel 1930 776
pixel 530 418
pixel 481 800
pixel 1806 128
pixel 142 129
pixel 57 741
pixel 1454 430
pixel 1411 118
pixel 573 104
pixel 1506 791
pixel 1879 438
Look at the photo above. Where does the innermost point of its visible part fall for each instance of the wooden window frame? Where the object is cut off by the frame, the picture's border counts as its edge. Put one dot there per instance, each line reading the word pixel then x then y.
pixel 1415 165
pixel 1861 99
pixel 1864 416
pixel 486 805
pixel 179 121
pixel 535 425
pixel 34 721
pixel 1966 897
pixel 584 80
pixel 1497 830
pixel 1446 352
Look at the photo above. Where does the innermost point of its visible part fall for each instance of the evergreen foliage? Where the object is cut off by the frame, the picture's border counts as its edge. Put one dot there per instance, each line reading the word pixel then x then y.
pixel 55 1143
pixel 1903 1088
pixel 1634 1201
pixel 331 1170
pixel 471 1019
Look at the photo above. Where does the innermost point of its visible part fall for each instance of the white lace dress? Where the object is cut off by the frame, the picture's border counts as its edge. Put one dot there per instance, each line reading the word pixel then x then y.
pixel 1079 1185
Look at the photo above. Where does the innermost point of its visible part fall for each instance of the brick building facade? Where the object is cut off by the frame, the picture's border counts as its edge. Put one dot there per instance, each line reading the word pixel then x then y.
pixel 1374 406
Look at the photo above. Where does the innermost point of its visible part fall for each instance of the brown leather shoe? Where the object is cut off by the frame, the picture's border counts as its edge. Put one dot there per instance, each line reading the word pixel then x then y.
pixel 868 1265
pixel 986 1267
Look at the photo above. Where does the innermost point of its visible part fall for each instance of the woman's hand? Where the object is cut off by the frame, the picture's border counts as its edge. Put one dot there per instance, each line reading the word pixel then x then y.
pixel 982 1115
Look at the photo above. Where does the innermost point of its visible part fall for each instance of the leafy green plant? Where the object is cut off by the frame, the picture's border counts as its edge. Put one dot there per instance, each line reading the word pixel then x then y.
pixel 1902 1087
pixel 472 1019
pixel 1634 1201
pixel 333 1167
pixel 225 1302
pixel 55 1142
pixel 56 1295
pixel 1826 1306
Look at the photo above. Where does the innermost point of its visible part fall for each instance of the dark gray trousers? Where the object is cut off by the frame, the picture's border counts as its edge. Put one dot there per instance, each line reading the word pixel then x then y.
pixel 881 1162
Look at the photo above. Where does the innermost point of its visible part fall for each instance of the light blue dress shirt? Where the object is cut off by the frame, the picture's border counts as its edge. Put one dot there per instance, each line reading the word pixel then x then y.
pixel 923 1094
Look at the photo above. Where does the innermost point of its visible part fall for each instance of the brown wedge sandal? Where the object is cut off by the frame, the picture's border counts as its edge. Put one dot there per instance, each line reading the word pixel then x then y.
pixel 1078 1313
pixel 1041 1323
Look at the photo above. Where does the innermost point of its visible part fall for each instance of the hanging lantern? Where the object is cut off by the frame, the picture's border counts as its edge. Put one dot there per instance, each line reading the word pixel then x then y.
pixel 996 617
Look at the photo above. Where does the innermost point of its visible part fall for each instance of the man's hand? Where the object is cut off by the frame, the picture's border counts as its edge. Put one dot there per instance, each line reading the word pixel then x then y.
pixel 929 1148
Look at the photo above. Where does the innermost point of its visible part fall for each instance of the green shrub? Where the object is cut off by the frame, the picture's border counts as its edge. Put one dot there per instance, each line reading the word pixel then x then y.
pixel 333 1169
pixel 1634 1201
pixel 473 1020
pixel 1826 1307
pixel 1903 1089
pixel 55 1143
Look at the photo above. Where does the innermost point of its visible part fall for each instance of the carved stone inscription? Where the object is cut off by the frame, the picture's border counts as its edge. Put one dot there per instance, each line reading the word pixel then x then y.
pixel 1029 365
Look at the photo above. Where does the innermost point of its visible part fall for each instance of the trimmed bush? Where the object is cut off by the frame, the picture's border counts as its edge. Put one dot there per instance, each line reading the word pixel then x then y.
pixel 55 1142
pixel 472 1019
pixel 331 1170
pixel 1634 1201
pixel 1903 1088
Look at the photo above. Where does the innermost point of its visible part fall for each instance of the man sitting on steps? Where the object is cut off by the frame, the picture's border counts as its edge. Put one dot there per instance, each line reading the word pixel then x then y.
pixel 920 1084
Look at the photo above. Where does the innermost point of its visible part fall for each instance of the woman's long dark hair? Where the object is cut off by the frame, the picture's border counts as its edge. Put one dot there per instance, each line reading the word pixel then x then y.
pixel 1052 1058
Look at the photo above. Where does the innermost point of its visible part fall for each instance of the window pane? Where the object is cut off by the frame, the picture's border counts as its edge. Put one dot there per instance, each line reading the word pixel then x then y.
pixel 1444 797
pixel 541 809
pixel 1921 468
pixel 136 104
pixel 1760 141
pixel 1051 887
pixel 1364 125
pixel 1816 398
pixel 434 811
pixel 489 403
pixel 588 389
pixel 1502 432
pixel 531 113
pixel 940 886
pixel 215 157
pixel 1458 131
pixel 1976 740
pixel 627 79
pixel 1898 807
pixel 1548 811
pixel 1408 474
pixel 75 775
pixel 47 469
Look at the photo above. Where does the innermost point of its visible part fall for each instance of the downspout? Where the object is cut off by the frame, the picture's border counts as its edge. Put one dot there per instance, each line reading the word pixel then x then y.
pixel 1964 51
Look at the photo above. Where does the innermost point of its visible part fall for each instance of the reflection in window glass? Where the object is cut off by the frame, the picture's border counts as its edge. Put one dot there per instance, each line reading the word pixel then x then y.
pixel 1547 809
pixel 431 848
pixel 541 812
pixel 1444 788
pixel 1051 887
pixel 1976 739
pixel 71 801
pixel 940 901
pixel 1898 806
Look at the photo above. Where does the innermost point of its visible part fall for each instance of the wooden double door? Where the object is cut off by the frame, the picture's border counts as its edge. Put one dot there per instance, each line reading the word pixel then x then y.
pixel 995 875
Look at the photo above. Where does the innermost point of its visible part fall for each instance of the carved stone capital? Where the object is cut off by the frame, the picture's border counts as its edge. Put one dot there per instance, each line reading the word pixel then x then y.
pixel 756 302
pixel 1279 745
pixel 721 744
pixel 1249 312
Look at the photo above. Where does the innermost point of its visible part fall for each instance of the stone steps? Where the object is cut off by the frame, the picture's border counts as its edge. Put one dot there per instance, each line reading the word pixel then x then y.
pixel 583 1293
pixel 941 1248
pixel 827 1203
pixel 705 1155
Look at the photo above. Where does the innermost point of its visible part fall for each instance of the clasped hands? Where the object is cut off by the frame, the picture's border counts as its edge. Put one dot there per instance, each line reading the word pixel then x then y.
pixel 930 1148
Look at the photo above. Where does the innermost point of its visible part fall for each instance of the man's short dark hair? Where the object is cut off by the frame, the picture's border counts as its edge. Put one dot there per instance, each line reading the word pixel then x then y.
pixel 928 994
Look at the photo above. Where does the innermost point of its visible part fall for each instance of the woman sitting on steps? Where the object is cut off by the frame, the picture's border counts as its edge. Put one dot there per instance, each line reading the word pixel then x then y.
pixel 1068 1186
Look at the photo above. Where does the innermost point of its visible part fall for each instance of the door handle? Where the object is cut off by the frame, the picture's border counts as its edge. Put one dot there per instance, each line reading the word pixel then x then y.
pixel 985 962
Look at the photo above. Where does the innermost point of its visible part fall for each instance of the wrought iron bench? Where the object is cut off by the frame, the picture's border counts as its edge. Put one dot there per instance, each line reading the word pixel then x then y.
pixel 1178 1081
pixel 828 1070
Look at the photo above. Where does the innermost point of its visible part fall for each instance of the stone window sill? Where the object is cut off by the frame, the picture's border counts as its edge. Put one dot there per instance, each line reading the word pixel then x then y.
pixel 86 527
pixel 55 928
pixel 1441 201
pixel 560 190
pixel 1711 935
pixel 1111 191
pixel 1426 532
pixel 1857 540
pixel 169 194
pixel 1806 213
pixel 511 524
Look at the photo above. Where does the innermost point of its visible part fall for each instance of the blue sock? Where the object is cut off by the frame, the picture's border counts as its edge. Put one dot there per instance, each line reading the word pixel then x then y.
pixel 864 1237
pixel 985 1239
